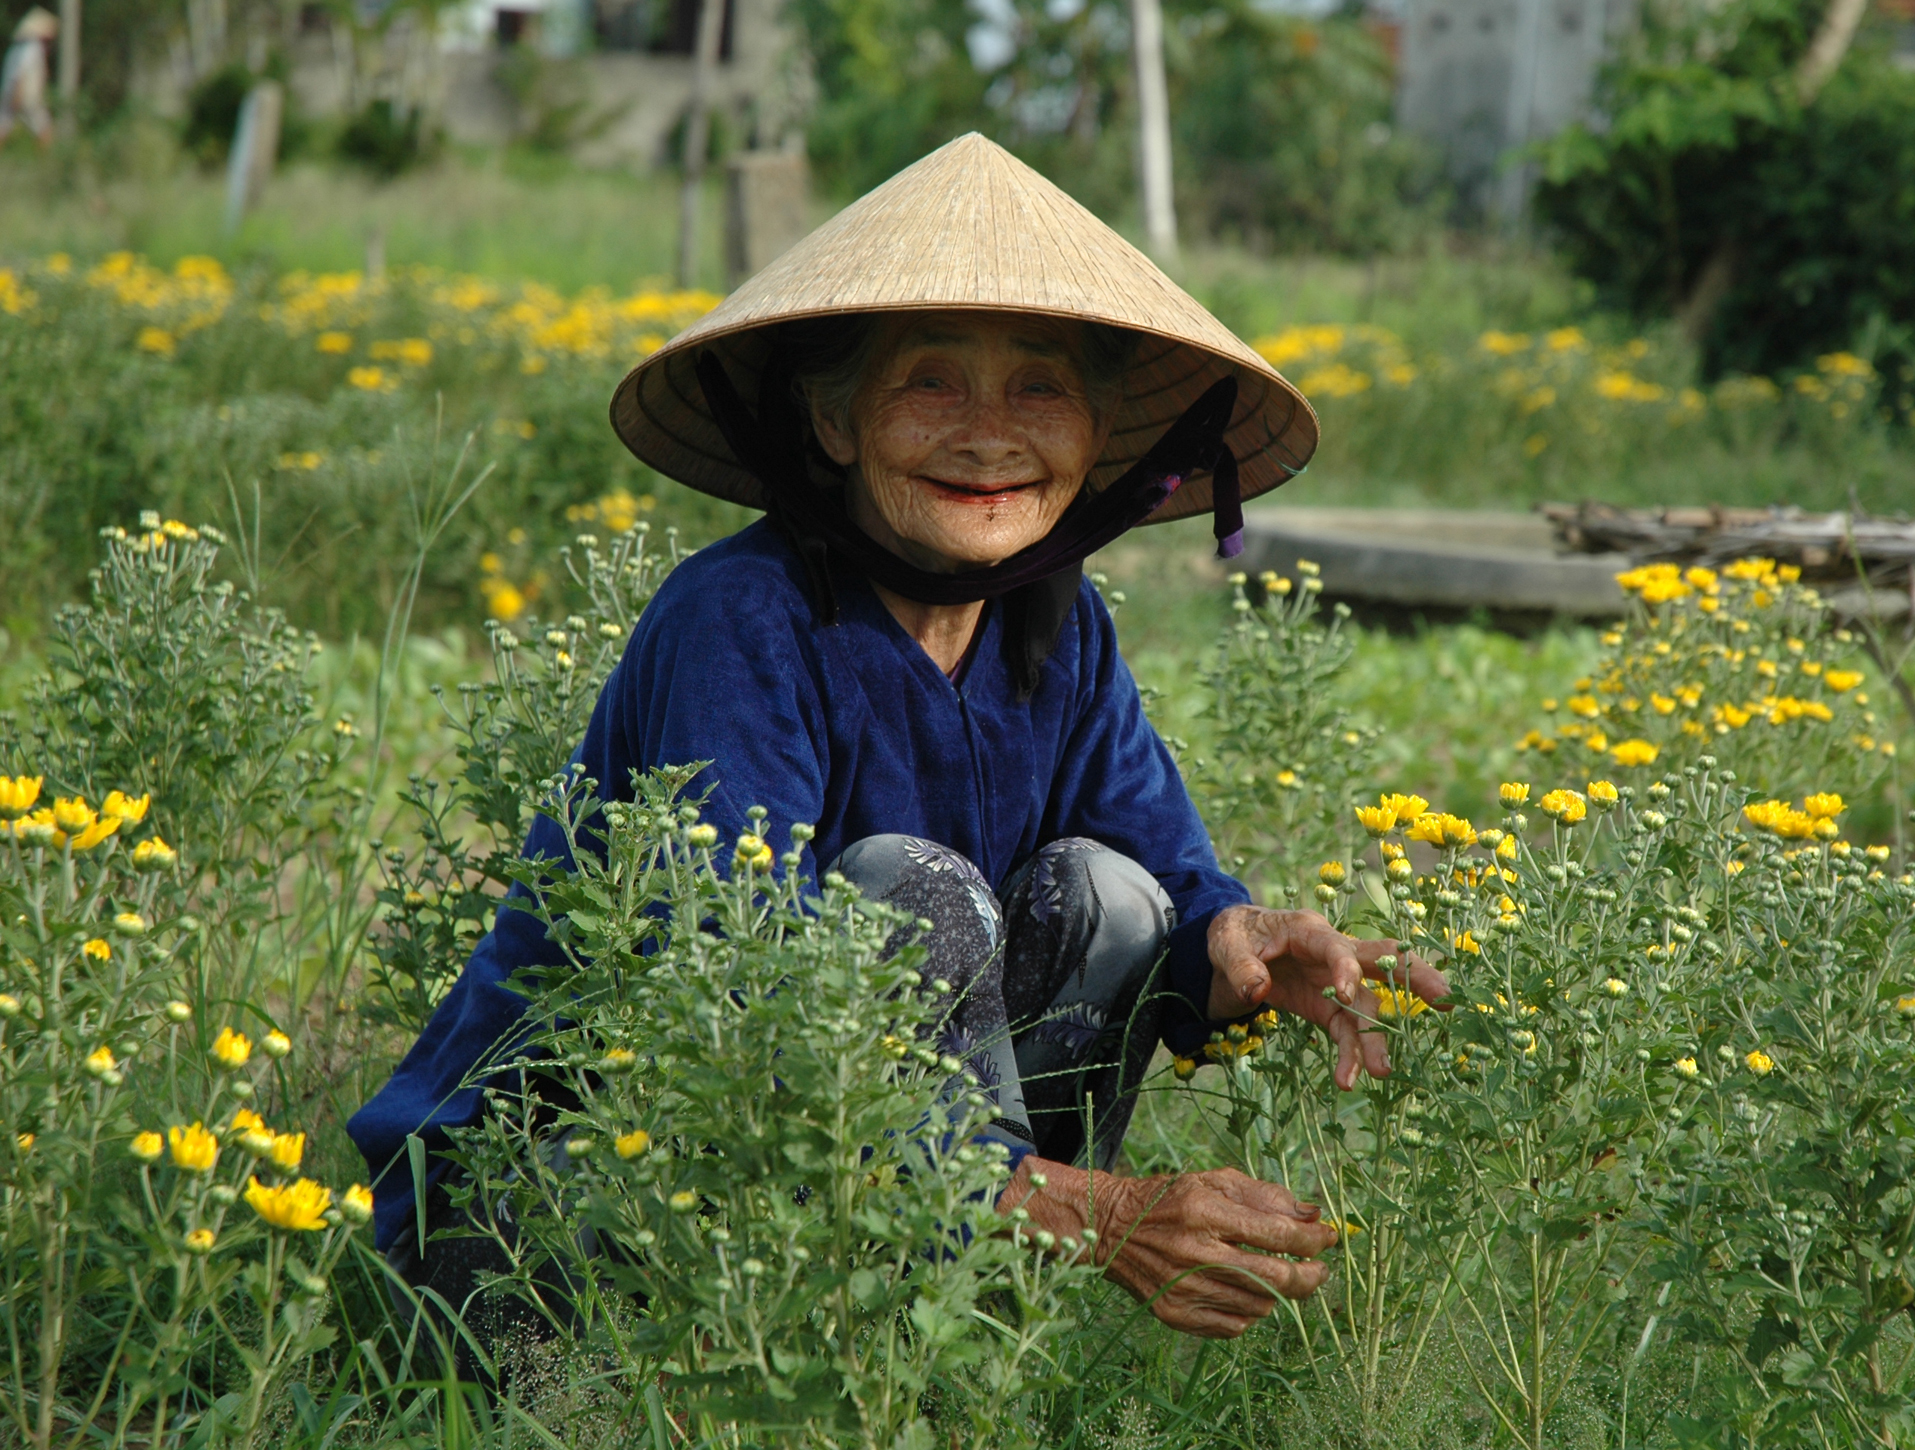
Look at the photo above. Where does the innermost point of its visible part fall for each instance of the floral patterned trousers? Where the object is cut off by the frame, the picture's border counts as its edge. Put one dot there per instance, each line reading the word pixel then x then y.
pixel 1055 994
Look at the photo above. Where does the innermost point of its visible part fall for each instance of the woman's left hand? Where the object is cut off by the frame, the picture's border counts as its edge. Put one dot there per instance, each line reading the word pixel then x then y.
pixel 1285 959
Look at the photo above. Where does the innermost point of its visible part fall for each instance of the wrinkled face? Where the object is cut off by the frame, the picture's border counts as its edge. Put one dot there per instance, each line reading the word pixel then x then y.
pixel 968 436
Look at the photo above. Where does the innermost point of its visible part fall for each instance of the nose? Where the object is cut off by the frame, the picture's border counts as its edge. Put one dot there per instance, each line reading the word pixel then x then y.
pixel 987 436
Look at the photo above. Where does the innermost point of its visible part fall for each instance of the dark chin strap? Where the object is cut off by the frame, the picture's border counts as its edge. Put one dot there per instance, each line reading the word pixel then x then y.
pixel 774 447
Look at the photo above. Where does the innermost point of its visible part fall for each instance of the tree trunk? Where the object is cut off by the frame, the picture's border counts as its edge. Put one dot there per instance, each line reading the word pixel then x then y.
pixel 1813 71
pixel 1825 52
pixel 1153 128
pixel 711 32
pixel 69 80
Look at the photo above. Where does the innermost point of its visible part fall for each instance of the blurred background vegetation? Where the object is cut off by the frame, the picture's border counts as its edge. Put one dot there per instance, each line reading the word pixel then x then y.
pixel 1707 299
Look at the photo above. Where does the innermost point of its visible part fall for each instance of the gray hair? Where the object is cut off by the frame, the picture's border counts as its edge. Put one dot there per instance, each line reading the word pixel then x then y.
pixel 829 357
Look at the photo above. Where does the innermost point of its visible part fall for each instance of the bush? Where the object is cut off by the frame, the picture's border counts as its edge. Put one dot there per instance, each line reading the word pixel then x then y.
pixel 386 140
pixel 212 113
pixel 1284 135
pixel 1712 190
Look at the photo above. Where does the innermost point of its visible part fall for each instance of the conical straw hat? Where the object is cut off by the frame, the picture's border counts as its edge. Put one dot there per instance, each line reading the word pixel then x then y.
pixel 971 226
pixel 36 24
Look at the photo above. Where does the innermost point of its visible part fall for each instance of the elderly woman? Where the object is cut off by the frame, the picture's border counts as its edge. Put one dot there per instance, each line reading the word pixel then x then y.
pixel 945 399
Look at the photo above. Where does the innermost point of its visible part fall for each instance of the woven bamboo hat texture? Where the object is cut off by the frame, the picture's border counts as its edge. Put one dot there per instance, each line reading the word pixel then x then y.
pixel 971 227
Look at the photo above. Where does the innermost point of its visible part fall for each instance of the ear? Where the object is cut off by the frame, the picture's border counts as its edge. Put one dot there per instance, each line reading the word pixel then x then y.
pixel 838 443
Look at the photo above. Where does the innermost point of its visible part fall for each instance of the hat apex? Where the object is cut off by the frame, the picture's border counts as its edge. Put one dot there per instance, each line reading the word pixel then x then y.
pixel 971 227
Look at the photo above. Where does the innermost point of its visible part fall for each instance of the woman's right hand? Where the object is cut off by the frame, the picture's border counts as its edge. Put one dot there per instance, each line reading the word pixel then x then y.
pixel 1208 1253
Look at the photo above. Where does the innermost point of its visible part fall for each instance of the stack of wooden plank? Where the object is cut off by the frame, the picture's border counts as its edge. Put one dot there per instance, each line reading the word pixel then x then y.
pixel 1832 548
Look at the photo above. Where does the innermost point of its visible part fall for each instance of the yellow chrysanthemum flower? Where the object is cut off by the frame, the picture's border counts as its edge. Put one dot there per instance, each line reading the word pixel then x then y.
pixel 153 854
pixel 1824 805
pixel 147 1147
pixel 295 1207
pixel 1439 828
pixel 1686 1067
pixel 194 1149
pixel 632 1144
pixel 1566 806
pixel 17 794
pixel 98 949
pixel 1779 818
pixel 752 852
pixel 1405 808
pixel 231 1049
pixel 684 1201
pixel 287 1150
pixel 244 1120
pixel 129 809
pixel 1842 681
pixel 275 1044
pixel 1379 821
pixel 1760 1062
pixel 1397 1002
pixel 355 1204
pixel 1332 873
pixel 1634 752
pixel 1603 794
pixel 1513 793
pixel 100 1061
pixel 200 1241
pixel 1183 1068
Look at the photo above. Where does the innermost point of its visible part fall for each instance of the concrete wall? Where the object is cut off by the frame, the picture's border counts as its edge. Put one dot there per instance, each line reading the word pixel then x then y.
pixel 1484 78
pixel 630 102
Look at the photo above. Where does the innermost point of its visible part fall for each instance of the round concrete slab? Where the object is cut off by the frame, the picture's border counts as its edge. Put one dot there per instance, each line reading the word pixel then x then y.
pixel 1436 558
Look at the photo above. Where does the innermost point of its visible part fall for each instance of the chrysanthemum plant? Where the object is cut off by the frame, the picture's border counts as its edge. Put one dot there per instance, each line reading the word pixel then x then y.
pixel 142 1299
pixel 1744 663
pixel 1662 1108
pixel 754 1143
pixel 510 734
pixel 1274 811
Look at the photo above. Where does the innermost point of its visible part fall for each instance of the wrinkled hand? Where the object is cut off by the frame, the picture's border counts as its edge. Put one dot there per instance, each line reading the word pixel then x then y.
pixel 1285 959
pixel 1199 1249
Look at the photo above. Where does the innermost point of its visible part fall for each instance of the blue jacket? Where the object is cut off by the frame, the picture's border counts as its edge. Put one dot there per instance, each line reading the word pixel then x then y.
pixel 853 729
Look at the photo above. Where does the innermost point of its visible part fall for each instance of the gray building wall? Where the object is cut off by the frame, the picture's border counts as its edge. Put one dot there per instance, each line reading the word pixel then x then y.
pixel 1482 79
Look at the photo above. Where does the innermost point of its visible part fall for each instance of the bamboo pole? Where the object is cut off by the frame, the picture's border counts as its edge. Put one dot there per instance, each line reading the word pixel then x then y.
pixel 1153 128
pixel 69 68
pixel 711 32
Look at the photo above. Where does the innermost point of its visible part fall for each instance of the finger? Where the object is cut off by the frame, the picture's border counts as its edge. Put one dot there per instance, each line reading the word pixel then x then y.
pixel 1375 1046
pixel 1428 983
pixel 1257 1195
pixel 1283 1277
pixel 1247 974
pixel 1228 1288
pixel 1342 1028
pixel 1204 1323
pixel 1338 954
pixel 1230 1223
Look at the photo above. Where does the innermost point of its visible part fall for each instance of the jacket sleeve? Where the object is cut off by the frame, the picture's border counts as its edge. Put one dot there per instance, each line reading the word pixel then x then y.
pixel 704 678
pixel 1117 784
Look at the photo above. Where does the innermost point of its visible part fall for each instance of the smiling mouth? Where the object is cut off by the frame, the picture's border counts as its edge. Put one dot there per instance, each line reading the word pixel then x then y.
pixel 975 493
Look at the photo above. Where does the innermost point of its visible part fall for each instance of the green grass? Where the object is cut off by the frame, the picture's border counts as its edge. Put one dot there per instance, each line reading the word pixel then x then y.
pixel 503 214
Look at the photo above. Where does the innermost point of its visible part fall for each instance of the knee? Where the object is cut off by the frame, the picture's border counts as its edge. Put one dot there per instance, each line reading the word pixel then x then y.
pixel 877 865
pixel 1131 913
pixel 1134 908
